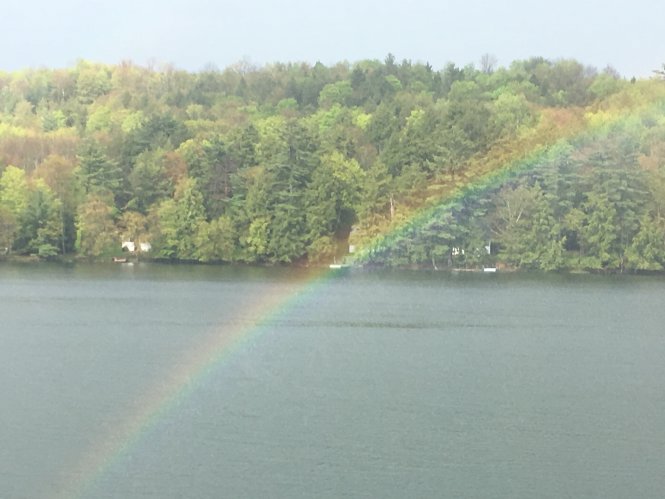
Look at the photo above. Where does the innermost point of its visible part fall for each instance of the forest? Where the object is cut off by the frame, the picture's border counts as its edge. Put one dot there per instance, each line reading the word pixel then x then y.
pixel 548 165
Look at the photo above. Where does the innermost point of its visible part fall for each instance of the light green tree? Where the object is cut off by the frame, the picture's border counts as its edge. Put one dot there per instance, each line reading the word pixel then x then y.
pixel 14 200
pixel 14 191
pixel 96 231
pixel 216 240
pixel 526 230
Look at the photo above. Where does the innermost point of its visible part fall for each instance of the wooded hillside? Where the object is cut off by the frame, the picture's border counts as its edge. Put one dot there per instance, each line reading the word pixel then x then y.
pixel 291 162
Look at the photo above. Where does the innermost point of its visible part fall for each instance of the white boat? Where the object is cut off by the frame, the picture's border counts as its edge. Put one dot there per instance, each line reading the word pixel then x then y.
pixel 489 269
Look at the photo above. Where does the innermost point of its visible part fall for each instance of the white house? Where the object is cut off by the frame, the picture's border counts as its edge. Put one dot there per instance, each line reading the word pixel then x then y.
pixel 131 247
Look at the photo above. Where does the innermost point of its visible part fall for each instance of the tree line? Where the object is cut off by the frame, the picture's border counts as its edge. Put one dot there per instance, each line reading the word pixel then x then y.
pixel 289 163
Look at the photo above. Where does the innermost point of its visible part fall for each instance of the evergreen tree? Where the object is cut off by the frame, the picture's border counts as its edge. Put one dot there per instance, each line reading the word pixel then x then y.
pixel 97 172
pixel 179 221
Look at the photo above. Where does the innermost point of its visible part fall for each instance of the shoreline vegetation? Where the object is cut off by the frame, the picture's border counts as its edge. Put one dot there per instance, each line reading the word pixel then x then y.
pixel 503 269
pixel 541 165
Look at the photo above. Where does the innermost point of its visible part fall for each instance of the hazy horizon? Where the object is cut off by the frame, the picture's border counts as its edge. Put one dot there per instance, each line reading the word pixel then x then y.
pixel 199 33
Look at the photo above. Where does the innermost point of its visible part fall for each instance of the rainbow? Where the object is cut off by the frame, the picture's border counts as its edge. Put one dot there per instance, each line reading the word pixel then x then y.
pixel 196 365
pixel 595 125
pixel 203 360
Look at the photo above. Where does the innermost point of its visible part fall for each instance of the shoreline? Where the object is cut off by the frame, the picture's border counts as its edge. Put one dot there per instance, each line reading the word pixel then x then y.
pixel 128 260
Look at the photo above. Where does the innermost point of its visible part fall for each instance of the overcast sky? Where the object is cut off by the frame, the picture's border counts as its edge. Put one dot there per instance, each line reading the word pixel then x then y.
pixel 629 35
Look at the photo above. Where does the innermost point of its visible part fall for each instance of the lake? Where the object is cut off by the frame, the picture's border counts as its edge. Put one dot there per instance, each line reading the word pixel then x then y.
pixel 178 381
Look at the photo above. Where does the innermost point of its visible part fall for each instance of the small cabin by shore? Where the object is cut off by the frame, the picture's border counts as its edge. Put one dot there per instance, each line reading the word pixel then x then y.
pixel 131 247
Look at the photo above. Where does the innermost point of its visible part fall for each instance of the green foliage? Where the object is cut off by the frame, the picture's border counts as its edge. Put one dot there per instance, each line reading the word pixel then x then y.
pixel 511 113
pixel 14 193
pixel 97 234
pixel 527 232
pixel 42 222
pixel 31 216
pixel 331 200
pixel 289 162
pixel 8 228
pixel 133 227
pixel 336 93
pixel 179 221
pixel 98 172
pixel 605 85
pixel 647 250
pixel 215 240
pixel 148 181
pixel 257 239
pixel 598 233
pixel 92 82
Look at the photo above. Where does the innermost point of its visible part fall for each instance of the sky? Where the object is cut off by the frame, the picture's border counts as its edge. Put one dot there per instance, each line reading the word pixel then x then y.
pixel 194 34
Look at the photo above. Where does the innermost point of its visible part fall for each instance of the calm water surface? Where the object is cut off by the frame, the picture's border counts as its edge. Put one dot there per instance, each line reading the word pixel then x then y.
pixel 388 384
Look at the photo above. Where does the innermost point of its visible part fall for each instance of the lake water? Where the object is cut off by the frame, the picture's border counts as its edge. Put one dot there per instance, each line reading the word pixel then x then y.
pixel 365 384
